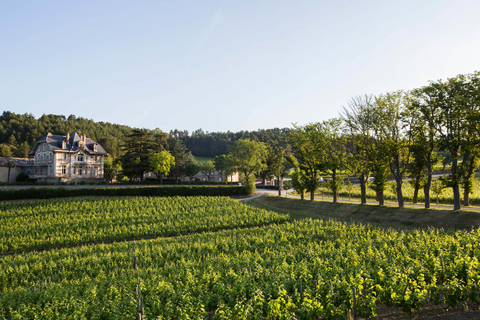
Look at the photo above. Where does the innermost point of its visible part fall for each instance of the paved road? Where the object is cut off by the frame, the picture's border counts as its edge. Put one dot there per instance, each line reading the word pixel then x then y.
pixel 261 192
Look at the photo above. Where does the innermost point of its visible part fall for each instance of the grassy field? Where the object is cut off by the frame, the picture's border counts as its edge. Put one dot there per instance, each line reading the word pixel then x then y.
pixel 445 197
pixel 381 216
pixel 204 159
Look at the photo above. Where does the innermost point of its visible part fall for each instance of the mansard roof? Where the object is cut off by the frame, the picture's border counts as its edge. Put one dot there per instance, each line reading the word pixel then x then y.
pixel 73 143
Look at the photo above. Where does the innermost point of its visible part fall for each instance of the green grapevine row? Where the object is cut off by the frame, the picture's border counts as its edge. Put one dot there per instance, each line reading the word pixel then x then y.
pixel 45 224
pixel 301 270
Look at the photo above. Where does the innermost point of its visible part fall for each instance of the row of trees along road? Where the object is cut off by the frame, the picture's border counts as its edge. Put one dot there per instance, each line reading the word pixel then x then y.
pixel 395 134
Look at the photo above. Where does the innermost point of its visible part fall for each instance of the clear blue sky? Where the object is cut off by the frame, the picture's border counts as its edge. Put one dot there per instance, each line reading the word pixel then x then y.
pixel 225 65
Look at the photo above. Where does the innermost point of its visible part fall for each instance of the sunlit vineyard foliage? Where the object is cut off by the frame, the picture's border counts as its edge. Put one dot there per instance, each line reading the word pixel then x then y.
pixel 300 270
pixel 45 224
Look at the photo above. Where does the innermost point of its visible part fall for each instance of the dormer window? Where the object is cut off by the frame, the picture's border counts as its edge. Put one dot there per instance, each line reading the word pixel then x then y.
pixel 95 147
pixel 64 145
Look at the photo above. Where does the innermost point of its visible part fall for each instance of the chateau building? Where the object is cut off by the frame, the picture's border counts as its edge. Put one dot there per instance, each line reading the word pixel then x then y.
pixel 65 158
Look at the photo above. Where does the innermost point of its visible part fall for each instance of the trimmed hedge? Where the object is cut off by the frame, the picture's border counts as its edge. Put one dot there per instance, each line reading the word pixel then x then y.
pixel 47 193
pixel 269 187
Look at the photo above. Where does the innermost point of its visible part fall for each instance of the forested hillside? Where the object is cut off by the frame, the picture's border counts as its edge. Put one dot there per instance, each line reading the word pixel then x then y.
pixel 211 144
pixel 20 131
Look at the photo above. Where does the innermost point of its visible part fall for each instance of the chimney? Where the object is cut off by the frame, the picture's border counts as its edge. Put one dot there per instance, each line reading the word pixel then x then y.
pixel 67 137
pixel 84 138
pixel 49 134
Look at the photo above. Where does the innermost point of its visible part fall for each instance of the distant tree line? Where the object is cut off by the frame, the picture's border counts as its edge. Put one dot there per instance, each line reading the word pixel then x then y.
pixel 212 144
pixel 20 132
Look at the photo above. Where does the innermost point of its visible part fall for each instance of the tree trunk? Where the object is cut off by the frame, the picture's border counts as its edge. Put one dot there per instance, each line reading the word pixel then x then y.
pixel 466 197
pixel 312 195
pixel 399 181
pixel 455 187
pixel 426 191
pixel 279 187
pixel 161 178
pixel 302 195
pixel 426 187
pixel 467 190
pixel 363 189
pixel 8 179
pixel 415 194
pixel 381 200
pixel 334 184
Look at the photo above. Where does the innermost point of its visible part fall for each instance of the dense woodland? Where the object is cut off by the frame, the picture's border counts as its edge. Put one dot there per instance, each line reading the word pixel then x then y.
pixel 19 132
pixel 211 144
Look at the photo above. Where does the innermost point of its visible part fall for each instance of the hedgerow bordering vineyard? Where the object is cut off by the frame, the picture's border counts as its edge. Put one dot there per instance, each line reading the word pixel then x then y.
pixel 48 193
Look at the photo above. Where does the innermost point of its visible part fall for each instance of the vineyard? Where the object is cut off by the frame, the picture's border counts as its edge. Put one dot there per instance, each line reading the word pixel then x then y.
pixel 308 269
pixel 46 224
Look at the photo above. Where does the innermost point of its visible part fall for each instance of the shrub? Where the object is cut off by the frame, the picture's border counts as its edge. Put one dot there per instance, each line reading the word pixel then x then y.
pixel 22 177
pixel 249 187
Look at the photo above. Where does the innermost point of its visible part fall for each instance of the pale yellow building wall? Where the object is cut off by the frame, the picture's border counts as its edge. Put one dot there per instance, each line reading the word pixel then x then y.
pixel 90 167
pixel 14 172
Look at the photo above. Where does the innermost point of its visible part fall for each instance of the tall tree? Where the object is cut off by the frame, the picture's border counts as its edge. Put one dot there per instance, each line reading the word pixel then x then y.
pixel 137 148
pixel 278 166
pixel 267 172
pixel 456 104
pixel 111 168
pixel 161 163
pixel 423 132
pixel 248 156
pixel 470 147
pixel 159 140
pixel 335 152
pixel 299 177
pixel 208 168
pixel 222 166
pixel 392 127
pixel 179 152
pixel 309 145
pixel 192 167
pixel 358 119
